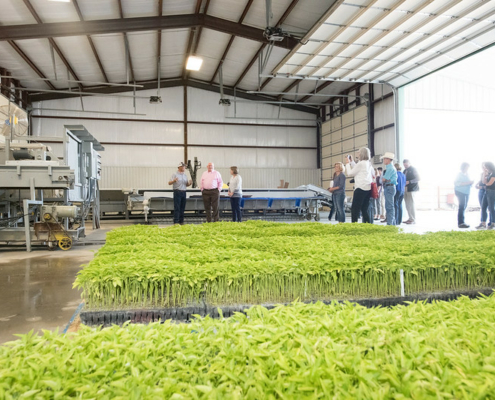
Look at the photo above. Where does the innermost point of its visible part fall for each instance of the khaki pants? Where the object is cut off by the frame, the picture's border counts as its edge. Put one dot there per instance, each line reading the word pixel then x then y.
pixel 410 207
pixel 211 200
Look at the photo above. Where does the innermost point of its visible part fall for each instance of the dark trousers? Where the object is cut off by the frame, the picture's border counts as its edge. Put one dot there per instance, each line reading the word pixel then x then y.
pixel 484 206
pixel 361 205
pixel 235 204
pixel 399 196
pixel 211 200
pixel 490 198
pixel 179 206
pixel 463 201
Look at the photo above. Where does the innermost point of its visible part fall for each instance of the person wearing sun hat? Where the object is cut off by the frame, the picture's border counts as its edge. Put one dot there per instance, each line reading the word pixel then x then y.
pixel 179 183
pixel 389 186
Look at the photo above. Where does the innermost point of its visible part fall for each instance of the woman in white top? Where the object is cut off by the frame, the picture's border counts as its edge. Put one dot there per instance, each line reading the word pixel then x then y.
pixel 363 176
pixel 235 193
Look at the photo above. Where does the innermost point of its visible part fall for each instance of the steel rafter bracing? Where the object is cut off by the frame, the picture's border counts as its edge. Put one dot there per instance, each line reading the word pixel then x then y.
pixel 30 63
pixel 52 43
pixel 231 40
pixel 353 39
pixel 405 35
pixel 159 45
pixel 464 13
pixel 253 60
pixel 381 36
pixel 92 45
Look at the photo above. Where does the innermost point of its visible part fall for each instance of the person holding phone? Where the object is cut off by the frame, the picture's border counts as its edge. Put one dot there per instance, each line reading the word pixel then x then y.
pixel 363 175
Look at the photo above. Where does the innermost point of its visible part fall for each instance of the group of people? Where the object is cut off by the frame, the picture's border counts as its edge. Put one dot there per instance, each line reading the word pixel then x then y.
pixel 375 190
pixel 486 195
pixel 211 185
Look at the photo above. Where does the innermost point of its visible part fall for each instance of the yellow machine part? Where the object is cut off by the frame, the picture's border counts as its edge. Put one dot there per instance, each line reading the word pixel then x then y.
pixel 64 242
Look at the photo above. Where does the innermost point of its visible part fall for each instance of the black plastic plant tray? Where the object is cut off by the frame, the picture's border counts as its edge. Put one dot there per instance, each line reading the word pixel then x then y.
pixel 185 314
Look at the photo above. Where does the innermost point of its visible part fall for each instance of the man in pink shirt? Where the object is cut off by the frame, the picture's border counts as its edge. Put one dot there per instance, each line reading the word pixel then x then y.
pixel 211 184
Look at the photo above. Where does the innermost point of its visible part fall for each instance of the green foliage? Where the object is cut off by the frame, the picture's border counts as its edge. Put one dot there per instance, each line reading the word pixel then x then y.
pixel 443 350
pixel 261 262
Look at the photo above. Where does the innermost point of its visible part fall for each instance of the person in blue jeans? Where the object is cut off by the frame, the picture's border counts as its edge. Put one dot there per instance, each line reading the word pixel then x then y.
pixel 235 194
pixel 399 194
pixel 489 181
pixel 338 191
pixel 483 200
pixel 389 186
pixel 179 183
pixel 462 188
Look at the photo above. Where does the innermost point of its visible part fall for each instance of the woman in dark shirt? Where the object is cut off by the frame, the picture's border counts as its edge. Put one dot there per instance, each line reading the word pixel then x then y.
pixel 338 191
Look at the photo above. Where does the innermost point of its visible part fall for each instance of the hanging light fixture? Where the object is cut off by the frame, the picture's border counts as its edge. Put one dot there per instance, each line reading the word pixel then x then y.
pixel 194 63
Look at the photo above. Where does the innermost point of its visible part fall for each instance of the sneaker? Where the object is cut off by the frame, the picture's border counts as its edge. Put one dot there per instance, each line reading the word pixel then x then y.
pixel 481 226
pixel 490 227
pixel 463 226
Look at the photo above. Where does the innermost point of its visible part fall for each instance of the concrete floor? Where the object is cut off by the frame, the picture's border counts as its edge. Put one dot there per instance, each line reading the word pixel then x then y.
pixel 36 288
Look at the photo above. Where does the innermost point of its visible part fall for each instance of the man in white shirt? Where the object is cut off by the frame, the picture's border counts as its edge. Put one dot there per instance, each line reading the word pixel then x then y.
pixel 211 185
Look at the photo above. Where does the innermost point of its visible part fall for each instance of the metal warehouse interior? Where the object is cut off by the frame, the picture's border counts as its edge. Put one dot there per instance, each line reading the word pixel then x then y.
pixel 99 103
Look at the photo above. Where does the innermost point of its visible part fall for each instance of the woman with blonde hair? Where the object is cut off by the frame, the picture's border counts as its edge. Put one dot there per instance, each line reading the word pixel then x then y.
pixel 235 193
pixel 363 176
pixel 338 191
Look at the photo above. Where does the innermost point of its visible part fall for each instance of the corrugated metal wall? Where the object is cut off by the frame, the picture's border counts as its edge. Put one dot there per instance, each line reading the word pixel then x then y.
pixel 143 150
pixel 157 177
pixel 437 92
pixel 342 135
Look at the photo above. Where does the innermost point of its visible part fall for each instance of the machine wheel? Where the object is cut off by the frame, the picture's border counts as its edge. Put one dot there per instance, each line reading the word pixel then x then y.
pixel 308 216
pixel 65 243
pixel 317 217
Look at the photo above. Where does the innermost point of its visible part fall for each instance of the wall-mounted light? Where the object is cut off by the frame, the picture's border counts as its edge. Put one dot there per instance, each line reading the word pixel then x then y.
pixel 194 63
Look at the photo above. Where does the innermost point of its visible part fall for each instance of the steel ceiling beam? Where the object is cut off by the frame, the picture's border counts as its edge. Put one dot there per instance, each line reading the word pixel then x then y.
pixel 52 42
pixel 30 63
pixel 253 60
pixel 126 43
pixel 232 37
pixel 159 45
pixel 93 48
pixel 333 36
pixel 333 7
pixel 194 37
pixel 140 24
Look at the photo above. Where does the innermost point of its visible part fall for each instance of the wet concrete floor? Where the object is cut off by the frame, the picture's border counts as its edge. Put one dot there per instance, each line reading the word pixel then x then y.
pixel 36 289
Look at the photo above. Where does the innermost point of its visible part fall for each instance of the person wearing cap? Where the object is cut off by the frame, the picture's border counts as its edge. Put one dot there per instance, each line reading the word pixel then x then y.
pixel 389 186
pixel 211 185
pixel 179 183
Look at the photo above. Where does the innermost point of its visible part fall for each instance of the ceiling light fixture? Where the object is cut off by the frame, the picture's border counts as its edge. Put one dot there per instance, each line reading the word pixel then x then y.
pixel 194 63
